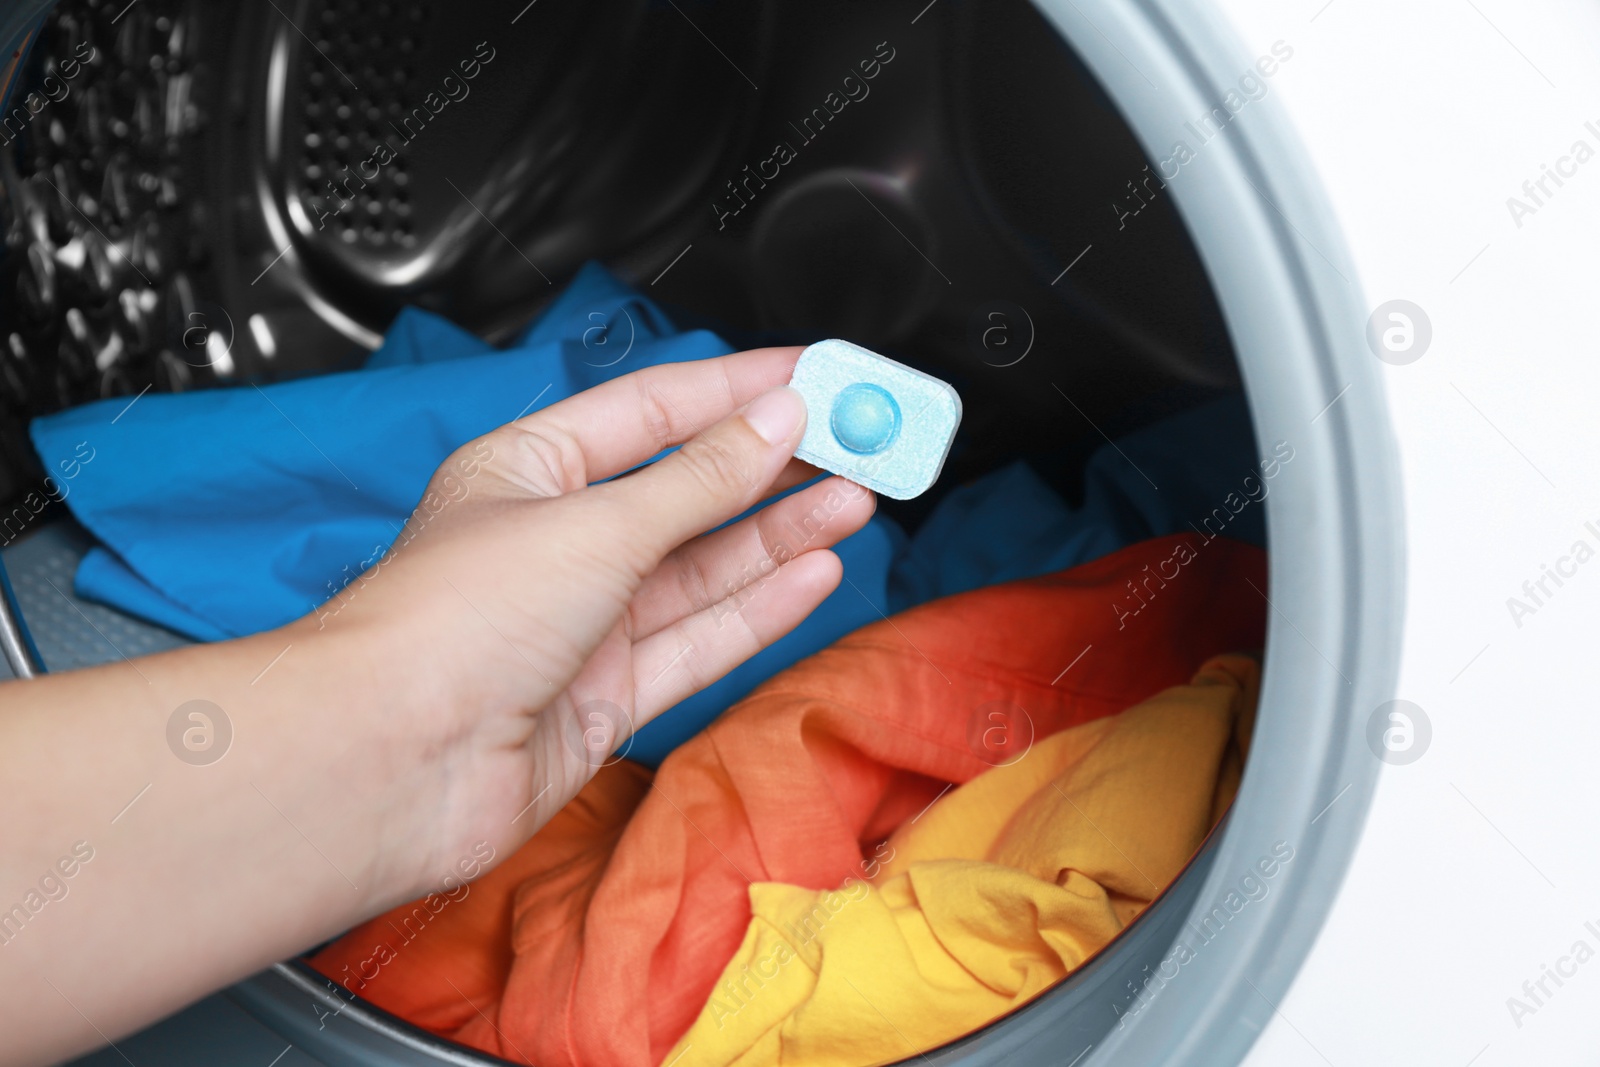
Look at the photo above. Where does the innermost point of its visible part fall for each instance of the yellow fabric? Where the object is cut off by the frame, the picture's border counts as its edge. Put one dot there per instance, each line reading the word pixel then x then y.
pixel 990 896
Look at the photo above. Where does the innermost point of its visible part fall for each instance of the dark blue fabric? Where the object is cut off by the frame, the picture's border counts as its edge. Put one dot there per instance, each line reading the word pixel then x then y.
pixel 227 512
pixel 1156 481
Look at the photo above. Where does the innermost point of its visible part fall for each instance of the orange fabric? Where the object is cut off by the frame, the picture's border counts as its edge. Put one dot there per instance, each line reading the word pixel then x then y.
pixel 461 955
pixel 799 783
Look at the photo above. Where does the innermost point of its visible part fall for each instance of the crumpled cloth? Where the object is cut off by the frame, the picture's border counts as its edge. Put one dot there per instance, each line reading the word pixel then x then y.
pixel 615 950
pixel 1001 889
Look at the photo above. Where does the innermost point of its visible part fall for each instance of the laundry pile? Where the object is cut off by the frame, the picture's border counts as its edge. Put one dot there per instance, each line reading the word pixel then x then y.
pixel 231 511
pixel 800 883
pixel 969 769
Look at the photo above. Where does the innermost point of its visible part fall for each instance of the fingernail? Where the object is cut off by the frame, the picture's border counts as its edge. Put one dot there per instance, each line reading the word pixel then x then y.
pixel 776 414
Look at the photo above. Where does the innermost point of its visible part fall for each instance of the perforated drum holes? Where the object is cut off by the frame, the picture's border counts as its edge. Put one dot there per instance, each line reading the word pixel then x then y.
pixel 1399 732
pixel 362 110
pixel 109 104
pixel 201 335
pixel 593 731
pixel 1399 332
pixel 199 733
pixel 1000 733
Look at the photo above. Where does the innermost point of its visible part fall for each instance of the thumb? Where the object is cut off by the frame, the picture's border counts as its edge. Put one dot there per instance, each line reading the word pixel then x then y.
pixel 716 475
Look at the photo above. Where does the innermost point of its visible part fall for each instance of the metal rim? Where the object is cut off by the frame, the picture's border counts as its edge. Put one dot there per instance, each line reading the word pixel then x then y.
pixel 1292 303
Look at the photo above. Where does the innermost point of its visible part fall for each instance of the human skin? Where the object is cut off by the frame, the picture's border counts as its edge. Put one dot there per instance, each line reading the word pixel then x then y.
pixel 375 748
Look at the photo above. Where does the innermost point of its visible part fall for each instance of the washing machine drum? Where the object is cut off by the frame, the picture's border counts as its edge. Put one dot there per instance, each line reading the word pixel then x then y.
pixel 251 191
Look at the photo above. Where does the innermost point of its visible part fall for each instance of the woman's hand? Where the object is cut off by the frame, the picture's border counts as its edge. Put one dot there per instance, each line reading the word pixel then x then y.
pixel 543 618
pixel 445 704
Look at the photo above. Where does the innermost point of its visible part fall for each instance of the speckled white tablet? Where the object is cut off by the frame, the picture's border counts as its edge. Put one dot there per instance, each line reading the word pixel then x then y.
pixel 874 421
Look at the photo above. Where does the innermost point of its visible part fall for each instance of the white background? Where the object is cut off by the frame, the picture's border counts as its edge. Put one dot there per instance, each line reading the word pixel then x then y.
pixel 1480 861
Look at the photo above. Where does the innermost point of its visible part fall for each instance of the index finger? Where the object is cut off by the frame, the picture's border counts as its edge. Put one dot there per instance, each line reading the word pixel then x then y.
pixel 621 423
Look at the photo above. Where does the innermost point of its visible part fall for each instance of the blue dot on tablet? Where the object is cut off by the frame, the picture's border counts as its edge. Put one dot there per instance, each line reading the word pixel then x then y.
pixel 865 418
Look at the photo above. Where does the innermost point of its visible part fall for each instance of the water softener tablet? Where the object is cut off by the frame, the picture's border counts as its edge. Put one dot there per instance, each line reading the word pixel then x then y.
pixel 874 421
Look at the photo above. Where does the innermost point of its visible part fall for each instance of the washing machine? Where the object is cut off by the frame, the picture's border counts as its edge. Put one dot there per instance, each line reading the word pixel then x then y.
pixel 1378 221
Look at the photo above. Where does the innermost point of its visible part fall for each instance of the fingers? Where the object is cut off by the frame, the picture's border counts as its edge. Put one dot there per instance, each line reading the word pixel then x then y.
pixel 618 425
pixel 726 562
pixel 689 655
pixel 794 473
pixel 712 478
